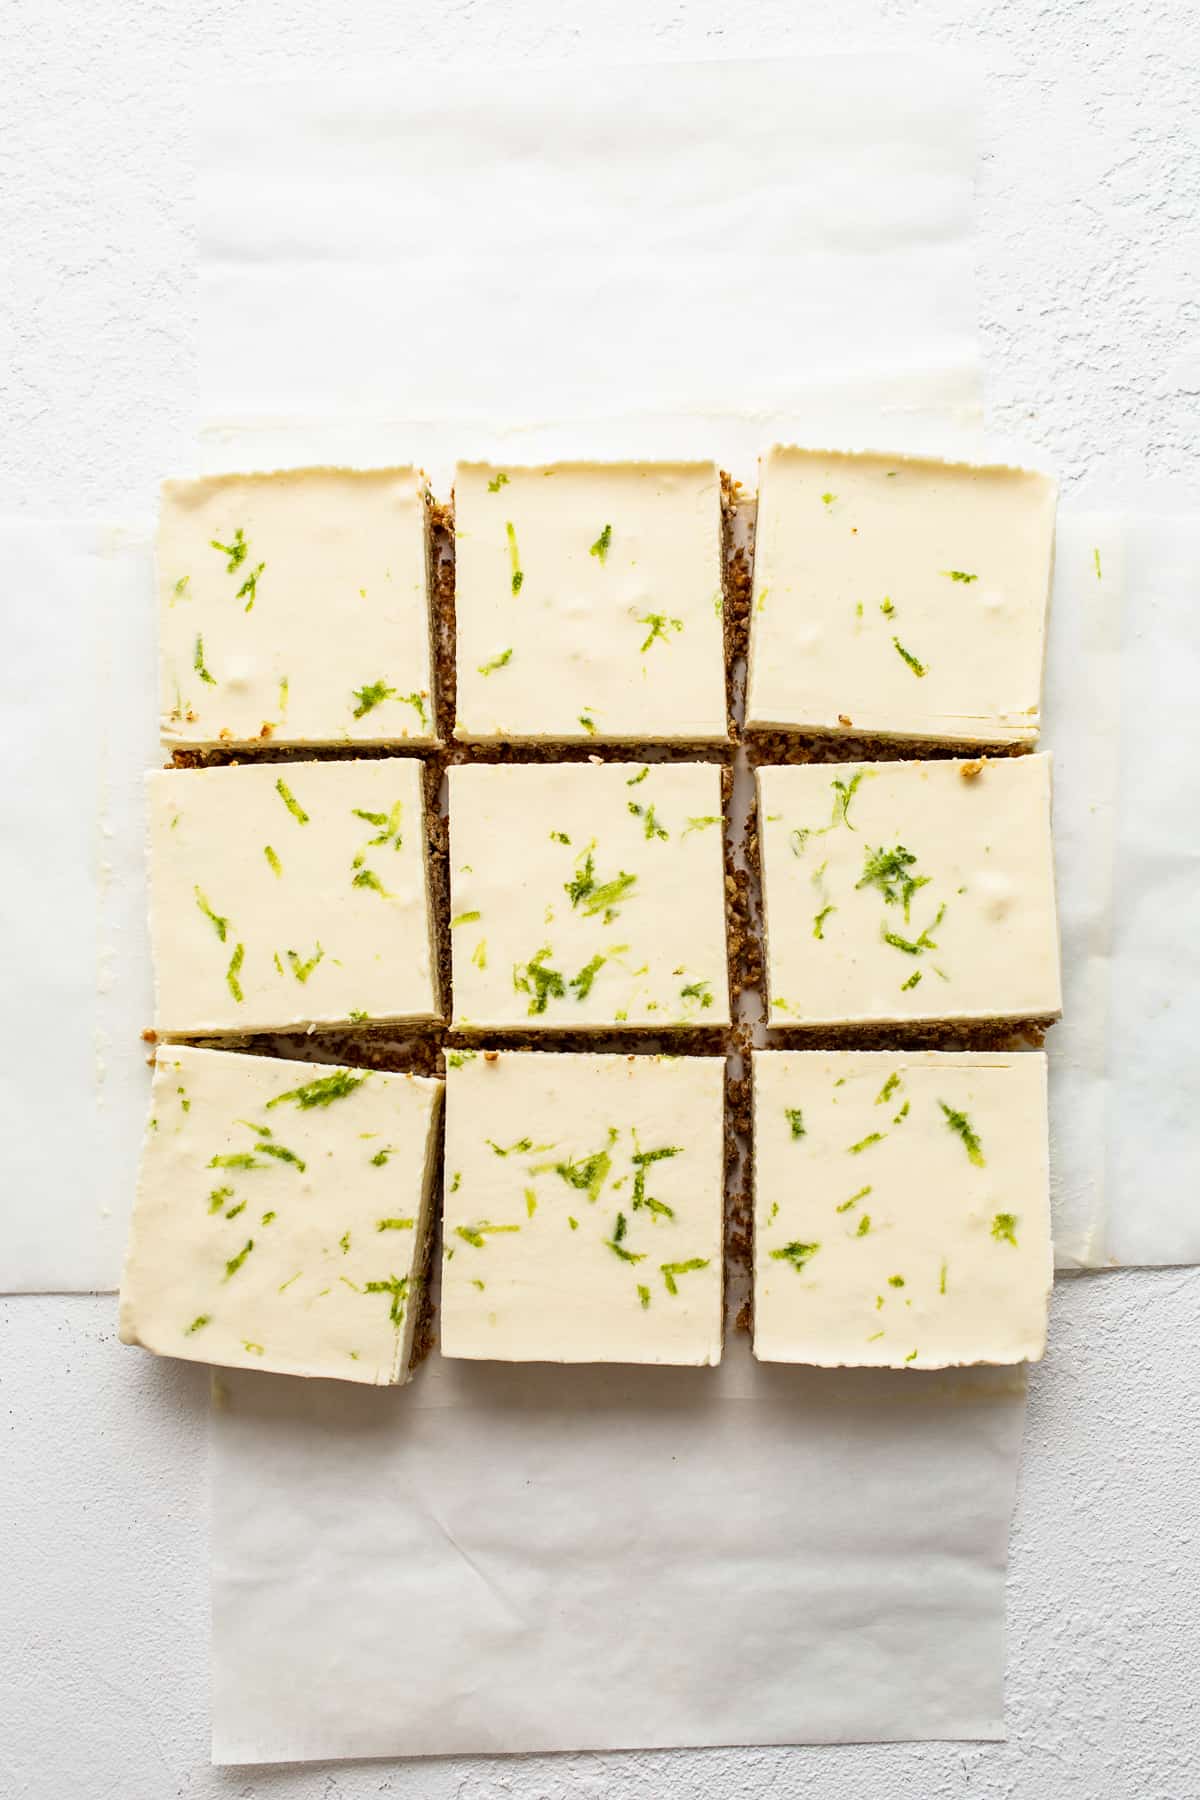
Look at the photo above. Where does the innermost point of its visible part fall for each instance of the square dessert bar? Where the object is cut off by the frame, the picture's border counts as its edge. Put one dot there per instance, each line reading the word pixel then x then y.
pixel 898 597
pixel 587 896
pixel 901 1208
pixel 584 1206
pixel 282 1215
pixel 588 599
pixel 294 607
pixel 288 894
pixel 904 891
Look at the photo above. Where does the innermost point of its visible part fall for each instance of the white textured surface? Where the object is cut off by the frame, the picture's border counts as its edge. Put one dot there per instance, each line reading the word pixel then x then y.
pixel 1092 330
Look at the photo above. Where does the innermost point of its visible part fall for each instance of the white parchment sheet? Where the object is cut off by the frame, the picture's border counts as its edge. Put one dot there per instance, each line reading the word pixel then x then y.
pixel 1123 719
pixel 535 1558
pixel 78 724
pixel 457 254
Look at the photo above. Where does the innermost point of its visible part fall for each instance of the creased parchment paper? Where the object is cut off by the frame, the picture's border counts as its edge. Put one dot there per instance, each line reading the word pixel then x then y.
pixel 1123 719
pixel 77 729
pixel 447 257
pixel 653 261
pixel 534 1558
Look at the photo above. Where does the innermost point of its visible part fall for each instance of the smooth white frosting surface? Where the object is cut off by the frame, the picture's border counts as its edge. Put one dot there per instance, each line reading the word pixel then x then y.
pixel 281 1216
pixel 294 607
pixel 588 599
pixel 909 890
pixel 584 1206
pixel 289 893
pixel 901 1208
pixel 587 895
pixel 900 596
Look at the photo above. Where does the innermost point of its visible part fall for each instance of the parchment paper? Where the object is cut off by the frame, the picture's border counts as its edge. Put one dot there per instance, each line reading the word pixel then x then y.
pixel 535 1558
pixel 617 261
pixel 1123 718
pixel 444 255
pixel 77 728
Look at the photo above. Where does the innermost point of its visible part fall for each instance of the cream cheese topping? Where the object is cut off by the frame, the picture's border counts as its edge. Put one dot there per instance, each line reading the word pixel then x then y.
pixel 294 607
pixel 588 599
pixel 908 890
pixel 587 895
pixel 584 1205
pixel 901 1208
pixel 900 597
pixel 289 893
pixel 282 1215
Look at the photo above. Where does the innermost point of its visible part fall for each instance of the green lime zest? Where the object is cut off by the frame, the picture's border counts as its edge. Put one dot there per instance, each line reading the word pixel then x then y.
pixel 234 970
pixel 290 801
pixel 796 1253
pixel 323 1091
pixel 872 1137
pixel 236 552
pixel 853 1200
pixel 235 1262
pixel 959 1123
pixel 198 662
pixel 219 924
pixel 888 870
pixel 914 663
pixel 670 1270
pixel 303 969
pixel 518 575
pixel 659 625
pixel 542 984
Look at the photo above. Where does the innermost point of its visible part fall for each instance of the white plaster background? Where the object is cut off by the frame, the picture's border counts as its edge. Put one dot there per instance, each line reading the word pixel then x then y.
pixel 1091 323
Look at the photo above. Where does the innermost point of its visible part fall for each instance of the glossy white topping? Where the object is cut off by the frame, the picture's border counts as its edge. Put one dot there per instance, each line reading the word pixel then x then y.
pixel 588 599
pixel 282 1215
pixel 900 597
pixel 901 1208
pixel 583 1208
pixel 587 895
pixel 294 608
pixel 909 890
pixel 288 893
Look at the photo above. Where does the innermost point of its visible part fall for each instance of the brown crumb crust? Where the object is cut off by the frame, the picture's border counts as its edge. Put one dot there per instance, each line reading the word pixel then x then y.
pixel 611 752
pixel 437 838
pixel 392 1049
pixel 764 746
pixel 947 1034
pixel 687 1040
pixel 425 1324
pixel 737 546
pixel 743 887
pixel 739 1215
pixel 221 757
pixel 441 602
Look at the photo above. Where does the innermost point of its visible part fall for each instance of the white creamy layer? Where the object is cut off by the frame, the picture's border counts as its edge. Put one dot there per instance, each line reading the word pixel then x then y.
pixel 588 599
pixel 282 1215
pixel 900 597
pixel 295 607
pixel 587 895
pixel 584 1206
pixel 901 1208
pixel 289 893
pixel 909 890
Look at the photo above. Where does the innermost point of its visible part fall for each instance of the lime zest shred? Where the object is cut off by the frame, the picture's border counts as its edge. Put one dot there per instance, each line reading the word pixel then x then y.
pixel 290 801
